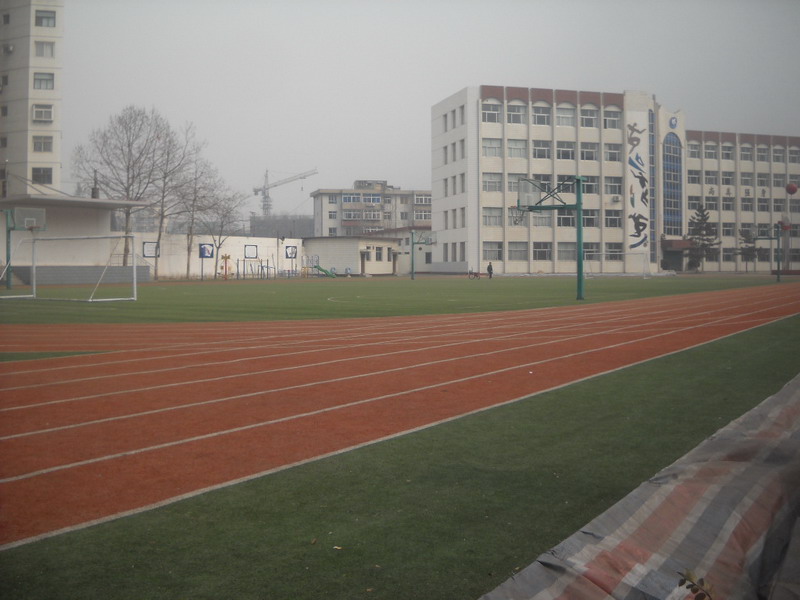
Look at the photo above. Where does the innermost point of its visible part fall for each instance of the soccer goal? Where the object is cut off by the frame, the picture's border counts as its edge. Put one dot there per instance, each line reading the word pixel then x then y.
pixel 634 264
pixel 80 268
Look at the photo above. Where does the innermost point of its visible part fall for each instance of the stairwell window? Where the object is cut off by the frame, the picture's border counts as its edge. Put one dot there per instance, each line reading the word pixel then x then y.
pixel 43 112
pixel 42 175
pixel 45 18
pixel 42 143
pixel 43 81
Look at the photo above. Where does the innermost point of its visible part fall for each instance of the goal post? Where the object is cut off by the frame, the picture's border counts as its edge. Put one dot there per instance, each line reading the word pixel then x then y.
pixel 76 268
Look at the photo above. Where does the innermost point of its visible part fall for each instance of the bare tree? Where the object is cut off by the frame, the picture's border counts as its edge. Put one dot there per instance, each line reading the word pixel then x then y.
pixel 175 156
pixel 197 198
pixel 122 159
pixel 224 219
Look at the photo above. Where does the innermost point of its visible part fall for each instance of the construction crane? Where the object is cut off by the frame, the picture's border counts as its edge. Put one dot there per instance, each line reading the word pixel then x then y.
pixel 266 201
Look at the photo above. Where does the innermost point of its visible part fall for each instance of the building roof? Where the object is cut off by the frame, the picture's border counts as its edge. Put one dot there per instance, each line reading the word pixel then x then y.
pixel 63 201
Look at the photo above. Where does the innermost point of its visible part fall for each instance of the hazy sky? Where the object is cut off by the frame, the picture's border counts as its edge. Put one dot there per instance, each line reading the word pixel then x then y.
pixel 346 86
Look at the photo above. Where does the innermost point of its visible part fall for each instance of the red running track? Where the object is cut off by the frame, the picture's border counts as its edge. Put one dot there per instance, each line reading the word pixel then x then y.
pixel 170 411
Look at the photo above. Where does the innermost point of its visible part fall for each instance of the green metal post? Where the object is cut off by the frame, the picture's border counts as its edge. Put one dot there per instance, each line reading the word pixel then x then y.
pixel 778 236
pixel 579 217
pixel 413 274
pixel 8 249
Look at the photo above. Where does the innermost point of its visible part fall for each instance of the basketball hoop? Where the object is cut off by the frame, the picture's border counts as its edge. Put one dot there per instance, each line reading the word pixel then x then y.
pixel 516 214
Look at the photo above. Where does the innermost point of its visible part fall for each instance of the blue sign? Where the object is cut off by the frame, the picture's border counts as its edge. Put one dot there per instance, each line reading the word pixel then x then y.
pixel 206 250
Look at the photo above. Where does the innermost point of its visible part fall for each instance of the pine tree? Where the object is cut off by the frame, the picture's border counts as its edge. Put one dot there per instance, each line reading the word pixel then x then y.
pixel 747 250
pixel 704 238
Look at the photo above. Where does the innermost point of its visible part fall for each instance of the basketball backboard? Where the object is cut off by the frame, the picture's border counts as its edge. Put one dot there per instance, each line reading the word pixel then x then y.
pixel 28 218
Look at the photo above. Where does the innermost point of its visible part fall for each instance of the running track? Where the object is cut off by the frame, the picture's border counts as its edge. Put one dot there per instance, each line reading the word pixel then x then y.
pixel 172 410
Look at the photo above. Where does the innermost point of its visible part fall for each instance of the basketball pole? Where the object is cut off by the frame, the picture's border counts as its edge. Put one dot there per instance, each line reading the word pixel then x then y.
pixel 579 233
pixel 8 249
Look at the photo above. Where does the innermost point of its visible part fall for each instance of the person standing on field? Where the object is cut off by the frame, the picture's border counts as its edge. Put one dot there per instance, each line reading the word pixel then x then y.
pixel 490 270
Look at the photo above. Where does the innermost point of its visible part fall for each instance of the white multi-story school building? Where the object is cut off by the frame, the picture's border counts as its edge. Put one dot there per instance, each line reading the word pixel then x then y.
pixel 644 176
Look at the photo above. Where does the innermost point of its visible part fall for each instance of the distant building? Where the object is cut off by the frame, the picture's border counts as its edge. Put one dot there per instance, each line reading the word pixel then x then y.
pixel 369 207
pixel 645 174
pixel 276 225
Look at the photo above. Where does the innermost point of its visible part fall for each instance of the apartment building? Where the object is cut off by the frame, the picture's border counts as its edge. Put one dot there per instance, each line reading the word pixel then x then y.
pixel 368 208
pixel 30 98
pixel 639 165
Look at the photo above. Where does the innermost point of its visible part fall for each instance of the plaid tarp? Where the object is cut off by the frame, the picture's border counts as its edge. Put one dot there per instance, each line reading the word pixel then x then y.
pixel 724 512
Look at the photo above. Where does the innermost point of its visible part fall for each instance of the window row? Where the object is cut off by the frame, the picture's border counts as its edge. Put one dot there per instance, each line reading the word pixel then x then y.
pixel 764 204
pixel 746 178
pixel 493 182
pixel 610 251
pixel 41 143
pixel 727 151
pixel 358 198
pixel 493 147
pixel 566 115
pixel 493 217
pixel 451 218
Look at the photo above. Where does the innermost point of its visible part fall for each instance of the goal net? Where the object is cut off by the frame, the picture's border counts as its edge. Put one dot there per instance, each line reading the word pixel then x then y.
pixel 81 268
pixel 636 264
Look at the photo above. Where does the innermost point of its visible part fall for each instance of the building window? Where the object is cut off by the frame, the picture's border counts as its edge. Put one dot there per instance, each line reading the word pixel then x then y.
pixel 331 231
pixel 565 150
pixel 727 203
pixel 542 251
pixel 566 217
pixel 728 178
pixel 778 154
pixel 746 178
pixel 591 251
pixel 43 81
pixel 762 153
pixel 762 179
pixel 693 176
pixel 3 142
pixel 492 182
pixel 45 18
pixel 492 146
pixel 349 198
pixel 728 229
pixel 491 113
pixel 794 155
pixel 727 151
pixel 378 253
pixel 4 111
pixel 613 152
pixel 351 215
pixel 567 251
pixel 422 199
pixel 492 250
pixel 42 175
pixel 541 115
pixel 613 218
pixel 612 119
pixel 422 215
pixel 565 116
pixel 613 185
pixel 591 217
pixel 492 216
pixel 763 205
pixel 517 250
pixel 332 214
pixel 333 200
pixel 589 150
pixel 42 143
pixel 694 150
pixel 712 203
pixel 541 218
pixel 779 180
pixel 778 205
pixel 513 181
pixel 591 184
pixel 710 150
pixel 710 177
pixel 614 251
pixel 590 117
pixel 693 202
pixel 518 148
pixel 516 113
pixel 747 205
pixel 746 153
pixel 542 149
pixel 45 49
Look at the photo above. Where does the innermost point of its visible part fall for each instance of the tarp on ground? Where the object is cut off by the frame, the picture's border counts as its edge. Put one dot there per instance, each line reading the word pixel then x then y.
pixel 723 513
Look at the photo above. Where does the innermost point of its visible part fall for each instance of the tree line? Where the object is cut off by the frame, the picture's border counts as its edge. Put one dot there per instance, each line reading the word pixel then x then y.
pixel 139 156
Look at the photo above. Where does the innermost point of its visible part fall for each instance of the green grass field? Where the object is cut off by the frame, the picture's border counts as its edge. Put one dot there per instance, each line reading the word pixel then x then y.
pixel 447 513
